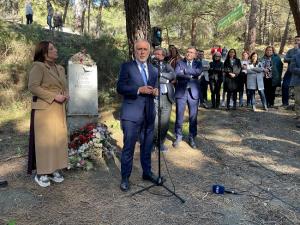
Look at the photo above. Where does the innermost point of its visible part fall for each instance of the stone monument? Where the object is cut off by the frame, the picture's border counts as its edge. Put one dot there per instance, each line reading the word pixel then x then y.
pixel 82 107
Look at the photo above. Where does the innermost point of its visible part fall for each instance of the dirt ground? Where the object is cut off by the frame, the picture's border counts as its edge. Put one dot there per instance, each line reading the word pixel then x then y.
pixel 255 154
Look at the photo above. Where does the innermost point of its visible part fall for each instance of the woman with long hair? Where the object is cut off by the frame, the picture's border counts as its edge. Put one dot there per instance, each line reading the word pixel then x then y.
pixel 48 150
pixel 173 56
pixel 255 81
pixel 232 69
pixel 215 74
pixel 243 78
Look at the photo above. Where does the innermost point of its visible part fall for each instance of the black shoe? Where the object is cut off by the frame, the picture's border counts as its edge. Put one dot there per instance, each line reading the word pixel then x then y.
pixel 150 177
pixel 192 143
pixel 124 186
pixel 298 125
pixel 176 143
pixel 204 105
pixel 3 183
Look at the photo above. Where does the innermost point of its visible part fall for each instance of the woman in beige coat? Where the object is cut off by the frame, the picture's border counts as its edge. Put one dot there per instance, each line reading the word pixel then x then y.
pixel 48 151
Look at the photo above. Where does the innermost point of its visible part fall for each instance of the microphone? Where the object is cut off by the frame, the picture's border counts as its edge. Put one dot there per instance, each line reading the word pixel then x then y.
pixel 219 189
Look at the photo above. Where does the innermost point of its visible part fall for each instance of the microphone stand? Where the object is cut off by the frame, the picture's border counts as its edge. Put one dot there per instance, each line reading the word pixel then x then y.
pixel 160 180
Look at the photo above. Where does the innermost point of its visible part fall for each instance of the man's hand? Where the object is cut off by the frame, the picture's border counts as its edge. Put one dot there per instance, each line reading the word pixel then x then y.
pixel 232 74
pixel 148 90
pixel 155 92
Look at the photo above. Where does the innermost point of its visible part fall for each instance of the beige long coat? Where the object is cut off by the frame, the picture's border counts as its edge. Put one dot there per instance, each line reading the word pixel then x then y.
pixel 50 126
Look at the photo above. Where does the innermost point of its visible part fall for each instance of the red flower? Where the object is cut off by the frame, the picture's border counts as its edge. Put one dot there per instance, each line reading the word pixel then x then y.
pixel 72 145
pixel 82 138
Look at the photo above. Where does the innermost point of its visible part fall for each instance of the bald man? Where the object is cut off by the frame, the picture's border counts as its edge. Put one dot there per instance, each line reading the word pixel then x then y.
pixel 137 84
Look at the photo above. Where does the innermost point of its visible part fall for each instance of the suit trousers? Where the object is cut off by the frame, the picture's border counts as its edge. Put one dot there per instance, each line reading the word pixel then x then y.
pixel 286 87
pixel 193 112
pixel 165 106
pixel 203 89
pixel 133 131
pixel 297 102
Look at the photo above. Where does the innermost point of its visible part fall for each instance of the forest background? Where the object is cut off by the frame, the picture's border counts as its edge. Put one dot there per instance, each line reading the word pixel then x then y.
pixel 100 27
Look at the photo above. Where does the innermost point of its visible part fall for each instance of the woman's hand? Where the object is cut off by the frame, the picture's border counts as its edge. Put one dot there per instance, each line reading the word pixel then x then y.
pixel 60 98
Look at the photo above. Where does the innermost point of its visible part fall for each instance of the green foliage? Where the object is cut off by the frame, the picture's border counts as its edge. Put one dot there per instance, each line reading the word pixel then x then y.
pixel 12 222
pixel 17 43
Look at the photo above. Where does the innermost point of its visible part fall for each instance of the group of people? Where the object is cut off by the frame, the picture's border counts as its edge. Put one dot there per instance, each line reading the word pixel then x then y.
pixel 54 19
pixel 184 80
pixel 181 81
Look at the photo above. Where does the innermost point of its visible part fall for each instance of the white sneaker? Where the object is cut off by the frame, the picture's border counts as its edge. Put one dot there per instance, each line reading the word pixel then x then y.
pixel 223 104
pixel 42 180
pixel 56 177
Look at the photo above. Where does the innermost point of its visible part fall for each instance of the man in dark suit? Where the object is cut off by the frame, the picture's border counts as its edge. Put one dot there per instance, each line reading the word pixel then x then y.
pixel 187 91
pixel 137 85
pixel 167 77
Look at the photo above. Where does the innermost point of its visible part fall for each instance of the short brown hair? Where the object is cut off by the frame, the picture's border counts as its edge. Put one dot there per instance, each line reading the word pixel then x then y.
pixel 41 50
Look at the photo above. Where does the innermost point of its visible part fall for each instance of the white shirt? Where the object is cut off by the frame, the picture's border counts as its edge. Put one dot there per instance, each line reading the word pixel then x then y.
pixel 145 66
pixel 28 9
pixel 189 63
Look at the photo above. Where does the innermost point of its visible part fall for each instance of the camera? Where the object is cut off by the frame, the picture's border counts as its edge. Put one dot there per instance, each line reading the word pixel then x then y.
pixel 155 62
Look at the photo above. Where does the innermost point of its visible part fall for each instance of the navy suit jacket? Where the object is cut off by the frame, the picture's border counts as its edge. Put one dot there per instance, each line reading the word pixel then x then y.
pixel 188 77
pixel 136 107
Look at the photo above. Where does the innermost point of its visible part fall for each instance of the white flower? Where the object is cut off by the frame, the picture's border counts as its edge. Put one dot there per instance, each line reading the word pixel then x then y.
pixel 98 135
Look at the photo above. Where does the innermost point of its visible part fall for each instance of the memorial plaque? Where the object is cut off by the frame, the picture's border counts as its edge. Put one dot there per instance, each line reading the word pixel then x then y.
pixel 83 104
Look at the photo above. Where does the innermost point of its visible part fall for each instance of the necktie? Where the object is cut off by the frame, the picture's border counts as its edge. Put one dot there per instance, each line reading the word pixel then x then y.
pixel 189 64
pixel 144 74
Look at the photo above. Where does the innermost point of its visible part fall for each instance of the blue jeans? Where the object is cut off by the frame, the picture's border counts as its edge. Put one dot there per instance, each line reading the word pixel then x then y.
pixel 262 97
pixel 286 87
pixel 49 22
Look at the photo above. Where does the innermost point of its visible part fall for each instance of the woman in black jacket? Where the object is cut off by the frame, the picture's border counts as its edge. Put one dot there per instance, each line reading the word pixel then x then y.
pixel 215 74
pixel 232 69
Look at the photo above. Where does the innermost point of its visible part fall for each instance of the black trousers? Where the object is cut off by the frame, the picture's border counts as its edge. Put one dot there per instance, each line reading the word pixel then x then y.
pixel 165 106
pixel 269 92
pixel 29 18
pixel 203 88
pixel 234 97
pixel 215 88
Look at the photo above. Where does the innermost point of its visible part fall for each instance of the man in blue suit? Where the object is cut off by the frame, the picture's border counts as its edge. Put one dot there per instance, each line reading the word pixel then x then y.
pixel 295 81
pixel 137 84
pixel 187 91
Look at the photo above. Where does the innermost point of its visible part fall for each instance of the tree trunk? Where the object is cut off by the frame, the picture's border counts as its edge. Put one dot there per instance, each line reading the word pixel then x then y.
pixel 251 39
pixel 265 25
pixel 89 15
pixel 295 7
pixel 193 31
pixel 269 26
pixel 99 21
pixel 285 34
pixel 82 21
pixel 167 34
pixel 260 23
pixel 65 11
pixel 137 22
